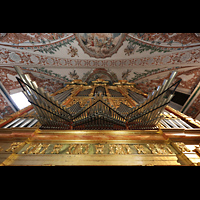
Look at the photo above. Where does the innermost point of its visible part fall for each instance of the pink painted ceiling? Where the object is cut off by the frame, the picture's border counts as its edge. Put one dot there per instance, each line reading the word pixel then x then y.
pixel 110 50
pixel 131 56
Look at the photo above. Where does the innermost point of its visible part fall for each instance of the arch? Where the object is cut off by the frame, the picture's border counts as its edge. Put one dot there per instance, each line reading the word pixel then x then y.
pixel 101 71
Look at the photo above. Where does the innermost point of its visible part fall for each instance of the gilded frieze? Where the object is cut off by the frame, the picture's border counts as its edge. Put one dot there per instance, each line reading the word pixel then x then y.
pixel 159 149
pixel 14 146
pixel 99 148
pixel 197 150
pixel 75 149
pixel 182 147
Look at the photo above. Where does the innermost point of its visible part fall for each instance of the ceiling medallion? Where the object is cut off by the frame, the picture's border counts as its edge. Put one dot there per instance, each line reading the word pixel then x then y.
pixel 100 45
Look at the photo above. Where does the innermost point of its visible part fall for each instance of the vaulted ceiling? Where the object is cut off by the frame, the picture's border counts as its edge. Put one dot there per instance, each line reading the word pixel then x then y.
pixel 114 51
pixel 144 58
pixel 80 49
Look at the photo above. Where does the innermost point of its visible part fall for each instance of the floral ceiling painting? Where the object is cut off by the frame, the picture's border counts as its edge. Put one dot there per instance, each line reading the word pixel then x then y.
pixel 130 56
pixel 161 42
pixel 97 50
pixel 48 43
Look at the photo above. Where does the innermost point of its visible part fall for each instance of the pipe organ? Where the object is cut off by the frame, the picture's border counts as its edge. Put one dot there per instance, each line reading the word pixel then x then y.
pixel 104 115
pixel 21 122
pixel 136 97
pixel 84 92
pixel 99 106
pixel 115 93
pixel 63 95
pixel 100 89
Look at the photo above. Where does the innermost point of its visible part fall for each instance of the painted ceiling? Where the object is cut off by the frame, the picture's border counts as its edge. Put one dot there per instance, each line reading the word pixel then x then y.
pixel 129 49
pixel 128 54
pixel 52 59
pixel 114 56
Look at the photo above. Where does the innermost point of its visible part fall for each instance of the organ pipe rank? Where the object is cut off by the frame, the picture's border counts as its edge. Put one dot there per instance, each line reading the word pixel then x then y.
pixel 135 111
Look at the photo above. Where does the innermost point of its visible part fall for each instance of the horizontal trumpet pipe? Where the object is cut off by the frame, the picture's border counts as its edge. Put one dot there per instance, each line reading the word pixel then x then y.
pixel 27 121
pixel 165 123
pixel 184 123
pixel 171 123
pixel 179 123
pixel 19 122
pixel 11 123
pixel 33 123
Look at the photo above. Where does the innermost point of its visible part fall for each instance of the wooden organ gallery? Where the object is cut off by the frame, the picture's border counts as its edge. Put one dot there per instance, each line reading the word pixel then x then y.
pixel 99 124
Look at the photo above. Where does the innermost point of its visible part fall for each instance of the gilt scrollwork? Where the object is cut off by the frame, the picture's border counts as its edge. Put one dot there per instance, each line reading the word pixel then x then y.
pixel 182 147
pixel 14 146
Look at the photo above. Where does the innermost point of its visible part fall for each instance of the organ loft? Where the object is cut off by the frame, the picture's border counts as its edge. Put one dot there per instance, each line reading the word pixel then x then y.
pixel 99 124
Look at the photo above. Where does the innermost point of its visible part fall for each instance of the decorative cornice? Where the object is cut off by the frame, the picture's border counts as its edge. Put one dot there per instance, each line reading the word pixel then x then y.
pixel 9 56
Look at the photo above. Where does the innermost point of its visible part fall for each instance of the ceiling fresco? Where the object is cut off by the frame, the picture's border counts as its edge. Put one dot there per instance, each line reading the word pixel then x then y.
pixel 131 56
pixel 168 41
pixel 100 45
pixel 35 41
pixel 104 46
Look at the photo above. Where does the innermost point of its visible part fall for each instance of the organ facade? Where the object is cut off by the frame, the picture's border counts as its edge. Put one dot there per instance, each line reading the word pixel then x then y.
pixel 99 124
